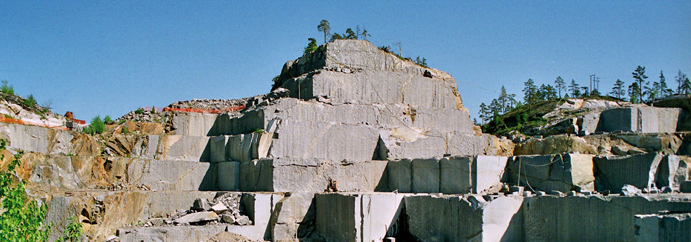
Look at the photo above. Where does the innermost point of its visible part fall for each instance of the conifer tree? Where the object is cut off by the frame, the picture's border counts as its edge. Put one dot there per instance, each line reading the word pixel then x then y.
pixel 618 89
pixel 574 89
pixel 680 78
pixel 560 85
pixel 639 77
pixel 324 27
pixel 529 91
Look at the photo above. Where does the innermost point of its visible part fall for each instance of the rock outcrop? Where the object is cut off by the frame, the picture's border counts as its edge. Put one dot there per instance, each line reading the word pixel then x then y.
pixel 356 144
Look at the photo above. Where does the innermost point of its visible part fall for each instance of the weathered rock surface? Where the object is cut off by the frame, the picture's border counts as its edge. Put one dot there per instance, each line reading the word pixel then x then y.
pixel 48 141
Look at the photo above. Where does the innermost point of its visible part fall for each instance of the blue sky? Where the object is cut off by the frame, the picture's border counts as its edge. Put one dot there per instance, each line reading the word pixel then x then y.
pixel 111 57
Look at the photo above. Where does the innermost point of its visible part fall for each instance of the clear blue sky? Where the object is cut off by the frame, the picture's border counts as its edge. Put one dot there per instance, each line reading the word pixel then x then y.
pixel 111 57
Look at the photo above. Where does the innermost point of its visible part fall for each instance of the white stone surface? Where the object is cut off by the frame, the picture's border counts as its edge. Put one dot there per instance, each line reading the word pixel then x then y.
pixel 488 172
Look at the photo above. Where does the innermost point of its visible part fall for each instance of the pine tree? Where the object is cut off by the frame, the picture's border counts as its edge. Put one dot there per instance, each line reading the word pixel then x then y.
pixel 639 77
pixel 653 92
pixel 503 100
pixel 585 92
pixel 484 113
pixel 324 27
pixel 634 92
pixel 350 34
pixel 574 89
pixel 618 89
pixel 686 86
pixel 549 92
pixel 560 85
pixel 681 77
pixel 664 90
pixel 529 91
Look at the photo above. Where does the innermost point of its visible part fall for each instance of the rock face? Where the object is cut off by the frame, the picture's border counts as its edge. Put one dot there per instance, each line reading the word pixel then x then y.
pixel 355 102
pixel 355 144
pixel 356 71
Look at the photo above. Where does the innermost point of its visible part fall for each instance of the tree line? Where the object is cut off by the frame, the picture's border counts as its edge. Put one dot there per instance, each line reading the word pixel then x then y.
pixel 639 91
pixel 325 27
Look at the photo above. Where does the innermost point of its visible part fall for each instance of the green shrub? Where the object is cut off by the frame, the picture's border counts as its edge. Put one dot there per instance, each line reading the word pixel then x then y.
pixel 125 130
pixel 7 89
pixel 22 219
pixel 311 46
pixel 258 131
pixel 108 120
pixel 73 232
pixel 139 111
pixel 30 101
pixel 96 127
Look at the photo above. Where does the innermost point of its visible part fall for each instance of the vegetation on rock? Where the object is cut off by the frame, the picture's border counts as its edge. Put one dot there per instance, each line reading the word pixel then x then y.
pixel 505 114
pixel 97 126
pixel 21 219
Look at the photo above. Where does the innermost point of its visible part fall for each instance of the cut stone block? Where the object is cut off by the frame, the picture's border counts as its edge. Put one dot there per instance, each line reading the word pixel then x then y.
pixel 589 123
pixel 488 172
pixel 187 148
pixel 611 218
pixel 399 175
pixel 456 175
pixel 193 124
pixel 259 207
pixel 613 172
pixel 217 146
pixel 467 218
pixel 160 175
pixel 228 175
pixel 671 172
pixel 297 175
pixel 171 233
pixel 640 119
pixel 685 187
pixel 563 173
pixel 241 147
pixel 309 129
pixel 357 217
pixel 426 174
pixel 662 227
pixel 293 217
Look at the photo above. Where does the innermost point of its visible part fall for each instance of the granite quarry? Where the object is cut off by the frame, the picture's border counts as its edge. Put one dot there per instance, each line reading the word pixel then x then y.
pixel 355 144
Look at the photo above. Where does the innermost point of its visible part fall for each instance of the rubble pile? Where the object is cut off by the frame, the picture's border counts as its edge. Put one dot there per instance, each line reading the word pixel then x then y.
pixel 209 103
pixel 224 209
